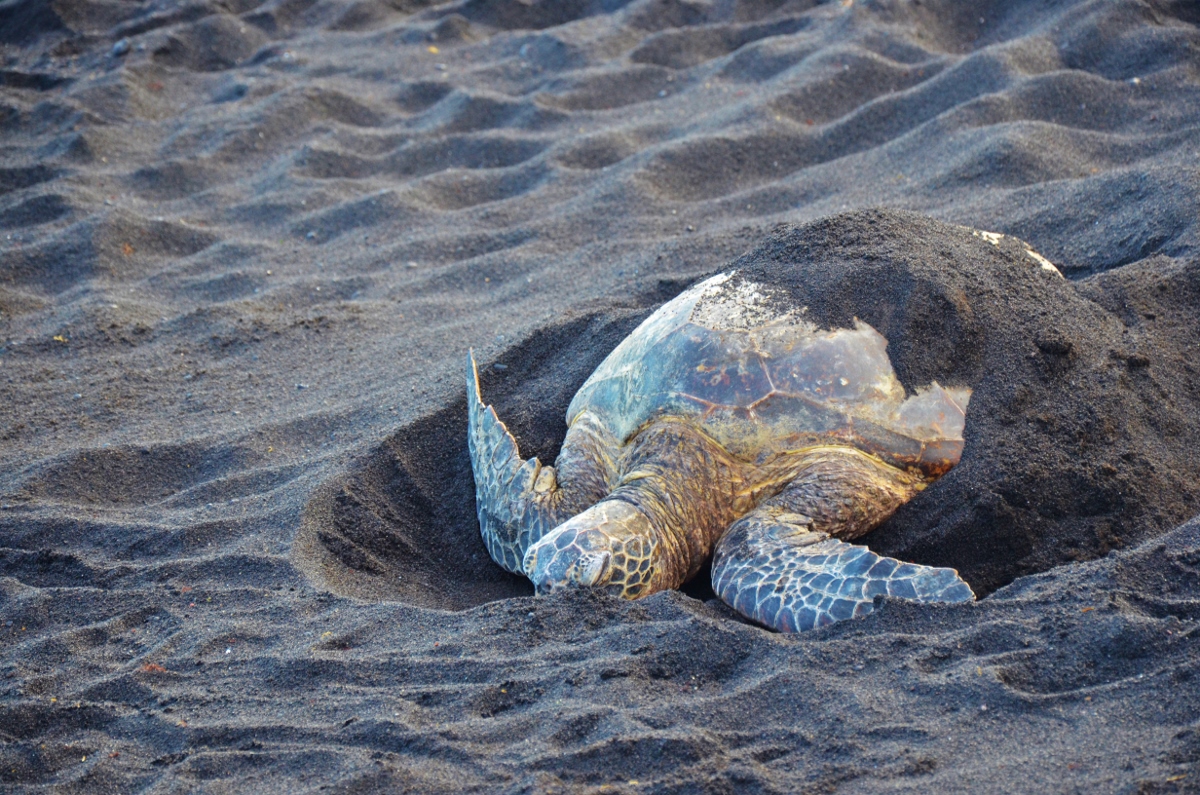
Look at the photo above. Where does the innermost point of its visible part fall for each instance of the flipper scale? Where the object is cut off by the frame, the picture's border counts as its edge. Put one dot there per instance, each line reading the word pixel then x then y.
pixel 823 582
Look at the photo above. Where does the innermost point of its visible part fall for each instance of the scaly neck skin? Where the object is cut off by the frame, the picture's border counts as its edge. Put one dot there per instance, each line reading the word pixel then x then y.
pixel 586 466
pixel 689 489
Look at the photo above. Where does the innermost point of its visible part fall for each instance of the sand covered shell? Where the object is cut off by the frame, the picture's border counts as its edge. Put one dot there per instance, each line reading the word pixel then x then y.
pixel 749 369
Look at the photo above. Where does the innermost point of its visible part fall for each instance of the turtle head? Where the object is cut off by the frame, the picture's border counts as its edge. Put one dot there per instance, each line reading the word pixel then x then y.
pixel 609 546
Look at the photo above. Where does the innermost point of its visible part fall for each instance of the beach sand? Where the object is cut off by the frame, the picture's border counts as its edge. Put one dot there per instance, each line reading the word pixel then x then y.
pixel 245 247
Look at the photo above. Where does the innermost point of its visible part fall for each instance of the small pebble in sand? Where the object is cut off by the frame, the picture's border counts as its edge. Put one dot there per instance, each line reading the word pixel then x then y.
pixel 120 48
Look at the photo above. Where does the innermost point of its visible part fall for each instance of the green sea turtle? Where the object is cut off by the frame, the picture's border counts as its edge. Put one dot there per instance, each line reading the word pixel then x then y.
pixel 728 425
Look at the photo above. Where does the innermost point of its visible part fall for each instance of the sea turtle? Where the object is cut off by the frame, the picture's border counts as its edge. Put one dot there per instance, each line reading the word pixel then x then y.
pixel 726 420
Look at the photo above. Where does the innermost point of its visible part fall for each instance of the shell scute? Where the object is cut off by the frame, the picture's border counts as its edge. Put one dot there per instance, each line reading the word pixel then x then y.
pixel 712 368
pixel 755 375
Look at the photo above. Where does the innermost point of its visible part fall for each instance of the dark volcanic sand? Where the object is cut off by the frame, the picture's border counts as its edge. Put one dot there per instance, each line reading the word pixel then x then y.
pixel 244 248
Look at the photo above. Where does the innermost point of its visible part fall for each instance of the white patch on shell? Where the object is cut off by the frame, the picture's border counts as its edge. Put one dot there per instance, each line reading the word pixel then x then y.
pixel 745 306
pixel 1046 264
pixel 995 237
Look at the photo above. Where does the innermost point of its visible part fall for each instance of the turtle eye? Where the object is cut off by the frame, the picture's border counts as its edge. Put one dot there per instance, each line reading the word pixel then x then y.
pixel 594 568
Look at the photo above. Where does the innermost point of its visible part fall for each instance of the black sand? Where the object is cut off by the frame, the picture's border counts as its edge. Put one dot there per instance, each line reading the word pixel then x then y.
pixel 244 248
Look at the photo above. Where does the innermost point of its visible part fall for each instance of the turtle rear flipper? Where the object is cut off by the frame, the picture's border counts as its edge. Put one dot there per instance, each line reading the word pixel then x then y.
pixel 790 578
pixel 519 501
pixel 781 566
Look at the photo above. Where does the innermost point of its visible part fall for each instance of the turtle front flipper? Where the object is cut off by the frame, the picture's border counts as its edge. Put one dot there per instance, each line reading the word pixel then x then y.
pixel 789 578
pixel 780 566
pixel 519 501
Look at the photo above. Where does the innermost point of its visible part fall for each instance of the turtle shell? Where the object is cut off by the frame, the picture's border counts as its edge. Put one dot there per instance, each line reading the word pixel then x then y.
pixel 745 366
